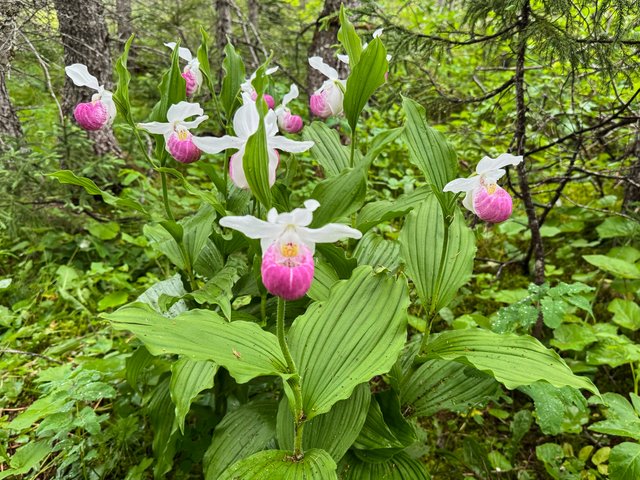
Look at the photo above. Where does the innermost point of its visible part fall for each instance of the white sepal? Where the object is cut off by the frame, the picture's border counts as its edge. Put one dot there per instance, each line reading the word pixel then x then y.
pixel 79 75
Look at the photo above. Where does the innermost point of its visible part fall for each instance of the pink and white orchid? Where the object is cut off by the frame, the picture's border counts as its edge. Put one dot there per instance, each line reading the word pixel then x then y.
pixel 245 123
pixel 328 99
pixel 286 121
pixel 179 141
pixel 288 245
pixel 101 110
pixel 191 73
pixel 246 87
pixel 483 196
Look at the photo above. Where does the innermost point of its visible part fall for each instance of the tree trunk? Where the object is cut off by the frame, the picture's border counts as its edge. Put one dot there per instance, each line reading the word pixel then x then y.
pixel 254 14
pixel 631 201
pixel 86 40
pixel 322 42
pixel 125 27
pixel 9 122
pixel 223 25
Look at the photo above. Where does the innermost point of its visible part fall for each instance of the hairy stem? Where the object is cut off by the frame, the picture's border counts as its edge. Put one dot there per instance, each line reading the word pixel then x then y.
pixel 165 196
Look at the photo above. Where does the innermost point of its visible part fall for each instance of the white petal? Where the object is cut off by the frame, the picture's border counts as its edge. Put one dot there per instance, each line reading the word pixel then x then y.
pixel 377 33
pixel 79 74
pixel 468 201
pixel 287 145
pixel 183 110
pixel 487 163
pixel 293 93
pixel 462 185
pixel 245 121
pixel 328 234
pixel 194 123
pixel 183 53
pixel 216 145
pixel 107 99
pixel 158 128
pixel 274 161
pixel 326 70
pixel 271 71
pixel 311 204
pixel 492 176
pixel 236 169
pixel 272 215
pixel 271 124
pixel 252 227
pixel 343 58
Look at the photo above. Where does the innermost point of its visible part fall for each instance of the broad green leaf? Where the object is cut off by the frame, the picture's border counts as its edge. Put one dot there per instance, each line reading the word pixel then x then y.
pixel 625 313
pixel 437 269
pixel 622 419
pixel 349 39
pixel 558 410
pixel 573 336
pixel 188 379
pixel 27 457
pixel 68 177
pixel 337 258
pixel 41 408
pixel 208 197
pixel 210 260
pixel 613 350
pixel 242 432
pixel 514 360
pixel 339 196
pixel 374 213
pixel 165 431
pixel 324 277
pixel 136 365
pixel 357 333
pixel 334 431
pixel 365 78
pixel 104 231
pixel 203 59
pixel 377 251
pixel 380 142
pixel 615 266
pixel 624 461
pixel 171 287
pixel 443 385
pixel 243 348
pixel 327 150
pixel 428 148
pixel 279 464
pixel 121 95
pixel 399 467
pixel 233 77
pixel 614 227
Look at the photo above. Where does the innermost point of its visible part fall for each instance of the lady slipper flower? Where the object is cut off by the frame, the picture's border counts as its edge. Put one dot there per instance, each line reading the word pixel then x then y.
pixel 288 245
pixel 287 122
pixel 191 73
pixel 246 87
pixel 483 195
pixel 101 110
pixel 245 123
pixel 179 141
pixel 328 99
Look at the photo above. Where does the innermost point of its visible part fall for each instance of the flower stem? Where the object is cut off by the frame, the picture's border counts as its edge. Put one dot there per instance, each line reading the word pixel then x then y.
pixel 354 141
pixel 294 382
pixel 165 196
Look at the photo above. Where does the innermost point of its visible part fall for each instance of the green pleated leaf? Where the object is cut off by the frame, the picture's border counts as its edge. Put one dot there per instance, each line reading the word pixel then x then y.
pixel 377 251
pixel 203 59
pixel 188 379
pixel 348 37
pixel 165 430
pixel 242 432
pixel 624 461
pixel 514 360
pixel 357 333
pixel 327 150
pixel 70 178
pixel 366 76
pixel 339 196
pixel 324 278
pixel 243 348
pixel 234 75
pixel 334 431
pixel 380 142
pixel 121 95
pixel 428 148
pixel 399 467
pixel 336 256
pixel 136 364
pixel 443 385
pixel 278 464
pixel 436 273
pixel 374 213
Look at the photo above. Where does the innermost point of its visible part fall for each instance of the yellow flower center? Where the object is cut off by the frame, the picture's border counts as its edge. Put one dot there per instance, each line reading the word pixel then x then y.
pixel 491 188
pixel 289 250
pixel 182 134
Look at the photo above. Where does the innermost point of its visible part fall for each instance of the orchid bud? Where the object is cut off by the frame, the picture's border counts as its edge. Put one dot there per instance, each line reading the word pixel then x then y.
pixel 91 115
pixel 267 98
pixel 289 123
pixel 287 270
pixel 180 146
pixel 191 81
pixel 492 203
pixel 327 101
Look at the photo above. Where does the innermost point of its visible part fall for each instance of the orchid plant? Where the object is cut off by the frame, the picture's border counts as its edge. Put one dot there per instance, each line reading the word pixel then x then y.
pixel 101 110
pixel 286 335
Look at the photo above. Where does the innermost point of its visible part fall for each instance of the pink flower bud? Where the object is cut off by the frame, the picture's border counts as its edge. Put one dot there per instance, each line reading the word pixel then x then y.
pixel 492 203
pixel 181 147
pixel 192 81
pixel 319 105
pixel 91 115
pixel 267 98
pixel 287 270
pixel 289 123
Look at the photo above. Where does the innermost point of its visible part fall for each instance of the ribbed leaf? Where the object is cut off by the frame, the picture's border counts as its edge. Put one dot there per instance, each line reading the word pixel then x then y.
pixel 355 334
pixel 377 212
pixel 243 348
pixel 327 150
pixel 377 251
pixel 514 360
pixel 323 279
pixel 241 433
pixel 278 464
pixel 203 59
pixel 121 95
pixel 234 74
pixel 334 431
pixel 339 196
pixel 348 37
pixel 188 379
pixel 165 430
pixel 443 385
pixel 400 467
pixel 624 461
pixel 428 148
pixel 337 258
pixel 436 273
pixel 366 76
pixel 380 142
pixel 256 165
